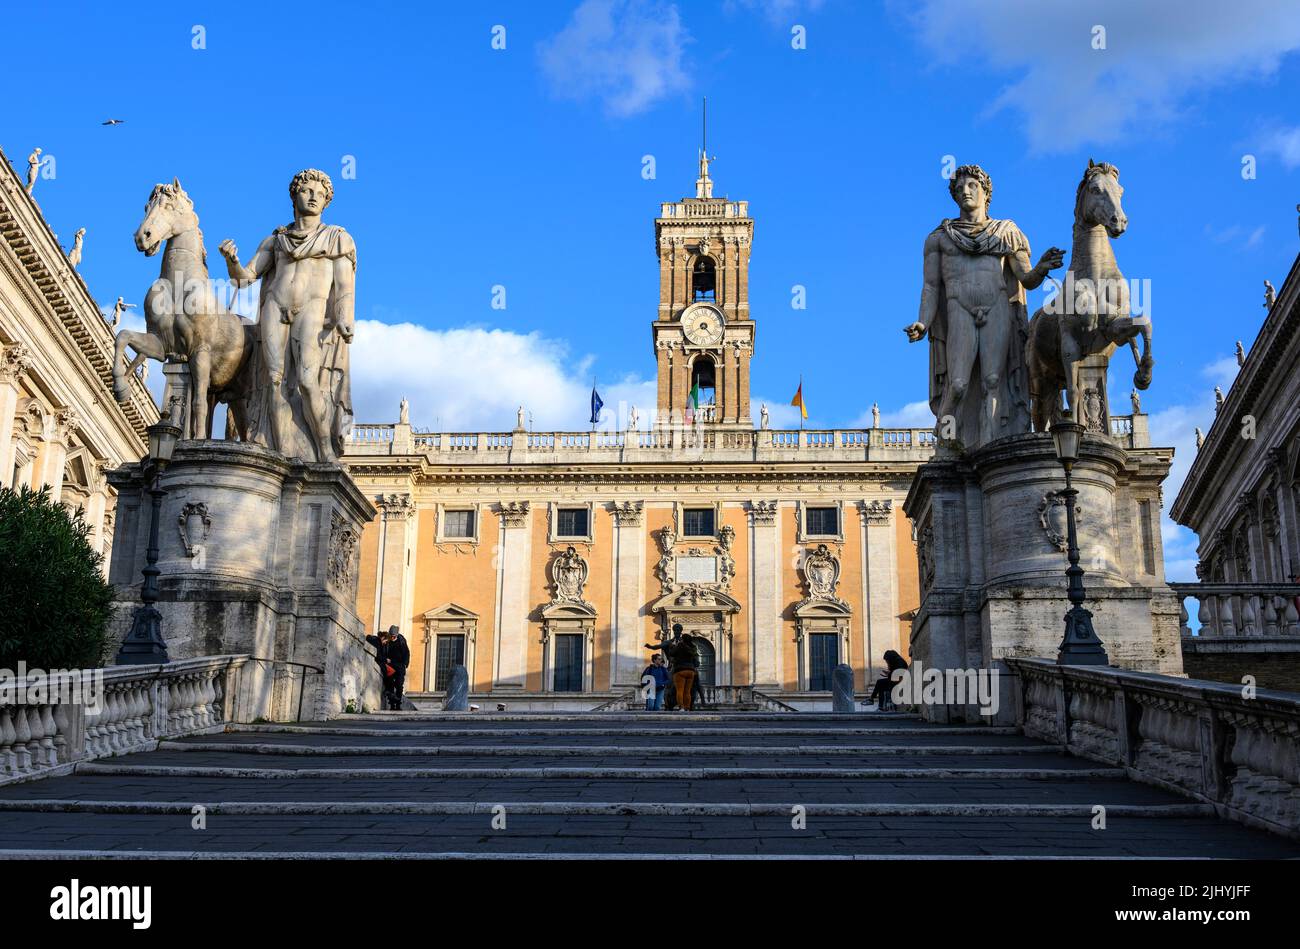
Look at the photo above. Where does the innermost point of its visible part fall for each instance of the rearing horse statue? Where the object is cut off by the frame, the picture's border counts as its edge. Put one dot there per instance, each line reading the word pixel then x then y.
pixel 184 321
pixel 1091 314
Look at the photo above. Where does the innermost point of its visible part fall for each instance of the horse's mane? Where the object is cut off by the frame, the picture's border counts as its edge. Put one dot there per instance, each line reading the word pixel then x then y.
pixel 173 195
pixel 1101 168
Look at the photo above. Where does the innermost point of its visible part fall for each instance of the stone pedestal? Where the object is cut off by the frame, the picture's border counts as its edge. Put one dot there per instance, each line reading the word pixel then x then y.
pixel 457 699
pixel 842 688
pixel 259 555
pixel 990 530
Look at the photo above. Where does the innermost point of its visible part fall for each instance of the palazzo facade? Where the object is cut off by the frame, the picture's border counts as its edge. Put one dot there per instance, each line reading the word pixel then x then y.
pixel 545 561
pixel 59 423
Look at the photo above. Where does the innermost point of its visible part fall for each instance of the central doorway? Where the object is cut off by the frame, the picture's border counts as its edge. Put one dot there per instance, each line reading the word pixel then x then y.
pixel 824 653
pixel 568 662
pixel 707 671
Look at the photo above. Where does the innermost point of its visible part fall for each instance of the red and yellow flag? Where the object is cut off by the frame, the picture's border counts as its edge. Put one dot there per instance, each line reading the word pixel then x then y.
pixel 798 400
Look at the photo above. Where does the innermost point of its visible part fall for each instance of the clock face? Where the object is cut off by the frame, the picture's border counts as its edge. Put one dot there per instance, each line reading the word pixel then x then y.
pixel 703 326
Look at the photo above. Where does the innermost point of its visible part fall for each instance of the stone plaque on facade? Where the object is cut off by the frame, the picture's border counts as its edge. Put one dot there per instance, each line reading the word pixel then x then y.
pixel 697 569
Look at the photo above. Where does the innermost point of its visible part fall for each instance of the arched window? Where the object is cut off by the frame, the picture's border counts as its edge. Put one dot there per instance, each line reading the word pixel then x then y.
pixel 702 376
pixel 704 279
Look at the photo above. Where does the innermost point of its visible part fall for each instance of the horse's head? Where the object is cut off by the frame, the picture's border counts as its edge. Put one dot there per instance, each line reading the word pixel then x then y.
pixel 168 212
pixel 1098 201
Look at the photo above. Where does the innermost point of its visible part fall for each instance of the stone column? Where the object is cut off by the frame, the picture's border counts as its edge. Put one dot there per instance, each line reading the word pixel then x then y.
pixel 397 513
pixel 14 363
pixel 510 638
pixel 879 594
pixel 1288 540
pixel 54 452
pixel 627 653
pixel 742 383
pixel 665 277
pixel 764 606
pixel 742 284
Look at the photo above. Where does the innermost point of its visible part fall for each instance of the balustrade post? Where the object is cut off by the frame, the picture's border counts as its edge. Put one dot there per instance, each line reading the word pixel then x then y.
pixel 1226 627
pixel 1207 614
pixel 1248 614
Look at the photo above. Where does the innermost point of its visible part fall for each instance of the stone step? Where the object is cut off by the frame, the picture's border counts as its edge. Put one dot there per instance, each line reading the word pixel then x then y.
pixel 562 836
pixel 639 717
pixel 295 770
pixel 604 751
pixel 597 808
pixel 915 790
pixel 628 731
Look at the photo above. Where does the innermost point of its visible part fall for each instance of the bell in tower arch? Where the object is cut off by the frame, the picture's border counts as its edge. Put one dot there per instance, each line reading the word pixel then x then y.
pixel 703 279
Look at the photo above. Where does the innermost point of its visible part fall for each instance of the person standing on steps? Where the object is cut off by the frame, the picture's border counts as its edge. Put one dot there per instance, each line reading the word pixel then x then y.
pixel 655 693
pixel 686 663
pixel 398 655
pixel 666 645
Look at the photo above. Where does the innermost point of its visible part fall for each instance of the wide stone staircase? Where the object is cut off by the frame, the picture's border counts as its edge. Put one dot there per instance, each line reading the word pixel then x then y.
pixel 611 785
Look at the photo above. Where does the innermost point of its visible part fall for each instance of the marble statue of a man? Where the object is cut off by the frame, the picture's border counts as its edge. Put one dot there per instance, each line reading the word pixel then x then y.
pixel 973 308
pixel 120 307
pixel 74 255
pixel 33 166
pixel 301 403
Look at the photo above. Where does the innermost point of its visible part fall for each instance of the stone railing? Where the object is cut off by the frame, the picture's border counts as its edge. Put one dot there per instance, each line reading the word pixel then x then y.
pixel 657 444
pixel 709 207
pixel 133 708
pixel 1241 609
pixel 1131 431
pixel 1205 740
pixel 732 695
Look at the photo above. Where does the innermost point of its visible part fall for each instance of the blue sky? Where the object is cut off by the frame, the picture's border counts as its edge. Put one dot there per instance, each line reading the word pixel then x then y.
pixel 522 167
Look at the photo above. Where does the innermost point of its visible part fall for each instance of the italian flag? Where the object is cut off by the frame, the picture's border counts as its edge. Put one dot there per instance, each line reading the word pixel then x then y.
pixel 694 405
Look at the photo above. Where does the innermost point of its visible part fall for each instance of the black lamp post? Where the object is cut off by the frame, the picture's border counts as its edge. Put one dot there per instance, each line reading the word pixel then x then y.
pixel 145 645
pixel 1080 647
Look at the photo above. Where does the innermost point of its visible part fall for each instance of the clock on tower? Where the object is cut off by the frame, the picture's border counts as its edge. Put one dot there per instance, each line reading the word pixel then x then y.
pixel 703 334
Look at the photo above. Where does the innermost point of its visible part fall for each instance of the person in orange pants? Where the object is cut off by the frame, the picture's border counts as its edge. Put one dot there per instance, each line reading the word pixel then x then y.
pixel 684 681
pixel 685 662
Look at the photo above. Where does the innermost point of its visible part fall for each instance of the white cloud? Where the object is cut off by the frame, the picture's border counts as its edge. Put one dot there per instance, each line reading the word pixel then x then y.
pixel 626 53
pixel 1221 372
pixel 475 378
pixel 1284 143
pixel 781 415
pixel 776 11
pixel 1157 54
pixel 1176 426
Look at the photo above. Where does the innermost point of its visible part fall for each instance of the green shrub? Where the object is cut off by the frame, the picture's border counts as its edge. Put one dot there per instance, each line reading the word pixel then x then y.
pixel 54 604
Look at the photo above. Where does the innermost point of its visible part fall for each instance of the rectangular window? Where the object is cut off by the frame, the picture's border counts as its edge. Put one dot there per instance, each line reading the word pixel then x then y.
pixel 698 522
pixel 571 522
pixel 822 521
pixel 458 524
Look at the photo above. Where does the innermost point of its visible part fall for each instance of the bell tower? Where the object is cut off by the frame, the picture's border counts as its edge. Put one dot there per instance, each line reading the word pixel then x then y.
pixel 703 336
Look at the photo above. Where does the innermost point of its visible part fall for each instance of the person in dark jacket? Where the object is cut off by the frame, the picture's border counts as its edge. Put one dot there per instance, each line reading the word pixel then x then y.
pixel 393 656
pixel 380 642
pixel 657 671
pixel 880 691
pixel 398 655
pixel 686 664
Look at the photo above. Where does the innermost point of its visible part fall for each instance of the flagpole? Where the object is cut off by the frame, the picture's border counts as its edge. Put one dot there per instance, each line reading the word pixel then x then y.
pixel 802 410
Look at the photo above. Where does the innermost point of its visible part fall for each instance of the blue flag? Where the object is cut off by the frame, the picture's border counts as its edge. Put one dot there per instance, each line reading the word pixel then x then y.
pixel 596 405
